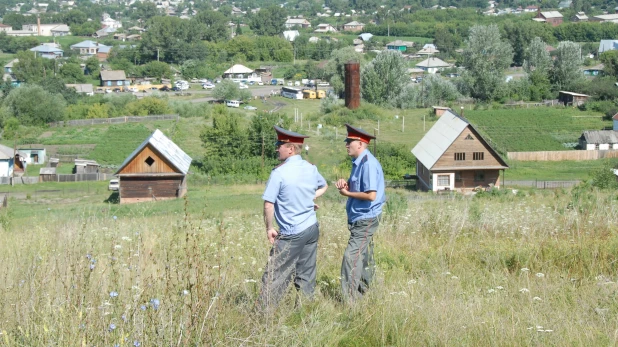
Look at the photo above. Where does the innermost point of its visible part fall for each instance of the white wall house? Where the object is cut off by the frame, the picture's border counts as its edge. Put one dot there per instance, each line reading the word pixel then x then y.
pixel 601 140
pixel 33 155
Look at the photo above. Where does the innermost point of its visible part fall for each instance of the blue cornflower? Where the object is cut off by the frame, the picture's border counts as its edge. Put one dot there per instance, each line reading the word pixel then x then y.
pixel 91 267
pixel 112 327
pixel 143 307
pixel 88 256
pixel 113 294
pixel 155 303
pixel 115 217
pixel 124 318
pixel 136 343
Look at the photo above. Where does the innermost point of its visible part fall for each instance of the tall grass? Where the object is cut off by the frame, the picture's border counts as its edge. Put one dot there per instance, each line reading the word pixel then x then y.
pixel 533 268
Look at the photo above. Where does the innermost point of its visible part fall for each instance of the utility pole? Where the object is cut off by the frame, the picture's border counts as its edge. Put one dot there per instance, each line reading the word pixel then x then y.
pixel 262 151
pixel 157 54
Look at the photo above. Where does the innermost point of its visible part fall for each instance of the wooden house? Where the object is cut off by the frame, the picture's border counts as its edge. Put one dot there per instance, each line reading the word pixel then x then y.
pixel 114 78
pixel 47 174
pixel 156 170
pixel 439 110
pixel 454 156
pixel 572 99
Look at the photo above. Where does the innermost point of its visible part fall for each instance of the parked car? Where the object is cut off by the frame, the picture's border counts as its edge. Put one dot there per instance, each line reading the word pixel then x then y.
pixel 208 86
pixel 108 90
pixel 176 89
pixel 243 86
pixel 260 83
pixel 250 108
pixel 203 80
pixel 155 88
pixel 164 89
pixel 114 184
pixel 251 83
pixel 132 89
pixel 117 90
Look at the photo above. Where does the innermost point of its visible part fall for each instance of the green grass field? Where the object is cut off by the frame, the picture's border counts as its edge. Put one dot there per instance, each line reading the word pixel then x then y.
pixel 535 268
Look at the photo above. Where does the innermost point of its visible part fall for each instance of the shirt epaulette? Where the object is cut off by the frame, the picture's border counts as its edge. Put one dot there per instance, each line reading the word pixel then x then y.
pixel 364 159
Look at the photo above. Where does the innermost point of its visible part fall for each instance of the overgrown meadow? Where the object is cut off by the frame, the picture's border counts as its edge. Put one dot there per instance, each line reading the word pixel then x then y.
pixel 524 268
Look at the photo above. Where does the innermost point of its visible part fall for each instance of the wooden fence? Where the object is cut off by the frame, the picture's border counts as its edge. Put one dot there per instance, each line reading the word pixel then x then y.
pixel 562 155
pixel 540 184
pixel 57 178
pixel 116 120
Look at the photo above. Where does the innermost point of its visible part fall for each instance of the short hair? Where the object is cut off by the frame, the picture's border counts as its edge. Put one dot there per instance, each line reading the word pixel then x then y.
pixel 298 148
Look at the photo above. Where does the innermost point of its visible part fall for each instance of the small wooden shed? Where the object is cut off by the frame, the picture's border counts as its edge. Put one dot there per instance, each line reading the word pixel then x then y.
pixel 47 174
pixel 85 166
pixel 572 99
pixel 439 110
pixel 156 170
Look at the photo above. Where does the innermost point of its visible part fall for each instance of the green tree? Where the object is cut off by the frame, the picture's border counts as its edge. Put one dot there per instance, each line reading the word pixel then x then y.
pixel 566 72
pixel 75 17
pixel 33 105
pixel 610 62
pixel 147 106
pixel 437 90
pixel 98 110
pixel 384 78
pixel 28 68
pixel 261 131
pixel 269 21
pixel 226 90
pixel 56 85
pixel 216 24
pixel 72 73
pixel 226 138
pixel 335 68
pixel 485 58
pixel 157 69
pixel 145 11
pixel 538 65
pixel 93 66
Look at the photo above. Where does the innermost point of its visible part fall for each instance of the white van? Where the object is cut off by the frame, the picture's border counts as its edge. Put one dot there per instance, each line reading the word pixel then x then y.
pixel 232 103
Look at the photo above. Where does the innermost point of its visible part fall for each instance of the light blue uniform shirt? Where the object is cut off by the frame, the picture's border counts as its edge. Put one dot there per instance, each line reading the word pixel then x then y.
pixel 366 176
pixel 291 187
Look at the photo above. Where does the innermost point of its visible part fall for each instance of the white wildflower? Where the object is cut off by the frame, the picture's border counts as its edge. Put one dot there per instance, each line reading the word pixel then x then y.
pixel 250 281
pixel 525 269
pixel 499 287
pixel 540 275
pixel 411 281
pixel 524 290
pixel 536 298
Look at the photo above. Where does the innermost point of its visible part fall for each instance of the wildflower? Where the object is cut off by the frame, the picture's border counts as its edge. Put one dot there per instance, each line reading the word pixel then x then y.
pixel 155 303
pixel 185 292
pixel 112 327
pixel 115 217
pixel 499 287
pixel 124 318
pixel 136 343
pixel 250 281
pixel 143 307
pixel 536 298
pixel 490 290
pixel 88 256
pixel 124 238
pixel 454 277
pixel 524 290
pixel 91 267
pixel 113 294
pixel 411 281
pixel 540 275
pixel 117 246
pixel 525 269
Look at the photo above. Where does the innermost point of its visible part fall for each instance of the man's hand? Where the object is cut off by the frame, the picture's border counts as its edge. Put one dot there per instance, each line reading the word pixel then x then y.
pixel 315 207
pixel 342 185
pixel 271 234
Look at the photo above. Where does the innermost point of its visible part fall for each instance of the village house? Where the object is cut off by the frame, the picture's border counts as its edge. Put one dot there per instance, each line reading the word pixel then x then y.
pixel 399 45
pixel 438 111
pixel 453 156
pixel 5 28
pixel 607 45
pixel 47 29
pixel 428 49
pixel 156 170
pixel 552 17
pixel 353 26
pixel 300 22
pixel 594 70
pixel 325 28
pixel 240 72
pixel 599 140
pixel 86 89
pixel 48 51
pixel 11 162
pixel 88 47
pixel 579 17
pixel 35 155
pixel 605 18
pixel 113 78
pixel 433 65
pixel 8 73
pixel 572 99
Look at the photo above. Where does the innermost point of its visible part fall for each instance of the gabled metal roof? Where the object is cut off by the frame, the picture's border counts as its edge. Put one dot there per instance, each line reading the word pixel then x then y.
pixel 439 138
pixel 600 136
pixel 442 135
pixel 168 149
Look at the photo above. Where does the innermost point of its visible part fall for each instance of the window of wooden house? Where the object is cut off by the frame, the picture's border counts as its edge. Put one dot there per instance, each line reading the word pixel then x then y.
pixel 469 137
pixel 479 176
pixel 444 180
pixel 149 161
pixel 460 156
pixel 478 156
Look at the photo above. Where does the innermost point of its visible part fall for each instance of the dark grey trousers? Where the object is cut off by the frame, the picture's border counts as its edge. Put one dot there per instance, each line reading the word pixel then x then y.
pixel 358 266
pixel 292 256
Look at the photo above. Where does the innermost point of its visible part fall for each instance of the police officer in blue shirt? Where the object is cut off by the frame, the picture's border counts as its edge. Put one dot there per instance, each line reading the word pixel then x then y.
pixel 365 192
pixel 289 199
